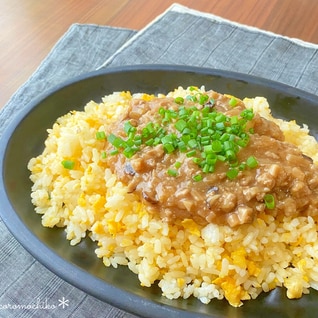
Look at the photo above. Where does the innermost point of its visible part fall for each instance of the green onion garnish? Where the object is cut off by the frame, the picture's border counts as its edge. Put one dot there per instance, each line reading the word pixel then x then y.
pixel 128 127
pixel 216 146
pixel 172 172
pixel 203 98
pixel 179 100
pixel 115 141
pixel 168 147
pixel 114 152
pixel 129 152
pixel 233 102
pixel 191 153
pixel 232 173
pixel 104 155
pixel 247 114
pixel 269 201
pixel 100 135
pixel 197 177
pixel 202 133
pixel 177 164
pixel 68 164
pixel 252 162
pixel 180 125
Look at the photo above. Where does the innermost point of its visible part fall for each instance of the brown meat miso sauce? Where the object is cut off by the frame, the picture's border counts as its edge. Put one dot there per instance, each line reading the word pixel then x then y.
pixel 241 168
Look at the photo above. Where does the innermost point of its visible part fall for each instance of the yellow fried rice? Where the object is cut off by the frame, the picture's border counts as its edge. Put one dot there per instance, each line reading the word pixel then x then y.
pixel 184 259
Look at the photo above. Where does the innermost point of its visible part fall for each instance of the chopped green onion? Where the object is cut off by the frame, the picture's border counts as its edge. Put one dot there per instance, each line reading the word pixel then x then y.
pixel 180 125
pixel 192 143
pixel 234 120
pixel 150 128
pixel 242 166
pixel 129 152
pixel 247 114
pixel 191 98
pixel 196 160
pixel 196 129
pixel 208 149
pixel 149 142
pixel 220 126
pixel 186 133
pixel 68 164
pixel 269 201
pixel 197 177
pixel 177 164
pixel 203 98
pixel 104 155
pixel 191 153
pixel 179 100
pixel 167 139
pixel 168 147
pixel 205 140
pixel 252 162
pixel 230 155
pixel 232 173
pixel 114 152
pixel 128 127
pixel 220 118
pixel 206 168
pixel 242 142
pixel 233 102
pixel 172 172
pixel 138 140
pixel 115 141
pixel 216 146
pixel 182 146
pixel 221 158
pixel 100 135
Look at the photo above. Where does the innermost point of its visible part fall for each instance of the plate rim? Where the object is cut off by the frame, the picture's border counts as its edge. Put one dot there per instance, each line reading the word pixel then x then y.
pixel 62 268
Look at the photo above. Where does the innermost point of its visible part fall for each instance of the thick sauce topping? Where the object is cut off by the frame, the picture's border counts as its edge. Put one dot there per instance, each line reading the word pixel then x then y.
pixel 283 173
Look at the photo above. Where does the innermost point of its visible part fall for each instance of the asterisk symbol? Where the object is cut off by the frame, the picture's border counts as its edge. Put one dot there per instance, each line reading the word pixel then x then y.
pixel 63 302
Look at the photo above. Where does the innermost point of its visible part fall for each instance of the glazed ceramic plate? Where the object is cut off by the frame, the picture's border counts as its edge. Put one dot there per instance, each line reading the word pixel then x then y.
pixel 24 138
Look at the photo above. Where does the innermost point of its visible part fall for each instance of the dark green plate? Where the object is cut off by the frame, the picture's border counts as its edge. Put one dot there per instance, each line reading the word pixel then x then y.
pixel 24 138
